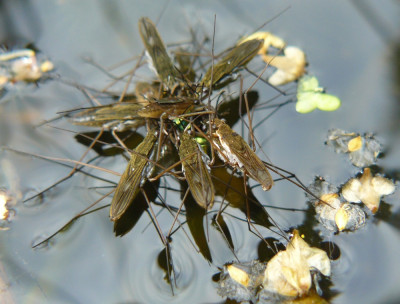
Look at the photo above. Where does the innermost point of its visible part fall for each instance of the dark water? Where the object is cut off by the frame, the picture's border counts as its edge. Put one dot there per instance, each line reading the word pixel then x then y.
pixel 352 52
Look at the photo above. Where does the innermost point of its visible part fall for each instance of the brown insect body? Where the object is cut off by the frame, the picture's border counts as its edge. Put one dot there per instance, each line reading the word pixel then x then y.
pixel 196 172
pixel 237 58
pixel 156 50
pixel 122 115
pixel 234 150
pixel 156 110
pixel 133 177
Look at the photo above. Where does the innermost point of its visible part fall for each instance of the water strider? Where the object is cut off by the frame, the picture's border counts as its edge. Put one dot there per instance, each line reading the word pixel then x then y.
pixel 158 105
pixel 233 149
pixel 130 115
pixel 133 177
pixel 160 60
pixel 118 116
pixel 196 172
pixel 179 99
pixel 237 58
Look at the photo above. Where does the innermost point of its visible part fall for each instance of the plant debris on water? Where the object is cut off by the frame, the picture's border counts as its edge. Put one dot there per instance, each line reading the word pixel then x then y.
pixel 362 150
pixel 335 215
pixel 21 66
pixel 368 189
pixel 288 275
pixel 310 97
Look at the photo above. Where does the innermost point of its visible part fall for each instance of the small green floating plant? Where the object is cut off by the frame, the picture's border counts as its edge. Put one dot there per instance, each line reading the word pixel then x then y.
pixel 310 97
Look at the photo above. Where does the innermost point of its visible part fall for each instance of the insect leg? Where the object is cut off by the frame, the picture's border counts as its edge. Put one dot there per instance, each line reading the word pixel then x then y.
pixel 74 218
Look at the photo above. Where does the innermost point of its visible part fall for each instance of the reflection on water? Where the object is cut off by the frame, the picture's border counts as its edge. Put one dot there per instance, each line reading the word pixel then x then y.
pixel 87 263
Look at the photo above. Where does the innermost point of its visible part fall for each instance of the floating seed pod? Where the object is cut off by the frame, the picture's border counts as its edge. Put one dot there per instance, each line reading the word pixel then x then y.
pixel 331 212
pixel 241 281
pixel 363 150
pixel 368 189
pixel 290 66
pixel 319 188
pixel 337 216
pixel 288 273
pixel 4 212
pixel 22 65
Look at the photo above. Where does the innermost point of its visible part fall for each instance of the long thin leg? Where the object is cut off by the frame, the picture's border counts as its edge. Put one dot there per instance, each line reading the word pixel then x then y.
pixel 80 214
pixel 71 173
pixel 170 265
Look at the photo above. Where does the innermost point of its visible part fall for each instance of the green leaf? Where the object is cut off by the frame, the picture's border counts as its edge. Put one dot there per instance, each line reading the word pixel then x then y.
pixel 328 102
pixel 306 103
pixel 310 96
pixel 308 83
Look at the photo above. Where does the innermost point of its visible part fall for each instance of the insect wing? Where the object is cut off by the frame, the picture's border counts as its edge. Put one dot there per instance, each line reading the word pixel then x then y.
pixel 255 167
pixel 196 173
pixel 125 113
pixel 185 63
pixel 155 47
pixel 128 186
pixel 238 152
pixel 238 57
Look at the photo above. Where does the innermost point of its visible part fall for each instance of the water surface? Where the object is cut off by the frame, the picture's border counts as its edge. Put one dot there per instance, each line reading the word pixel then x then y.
pixel 352 55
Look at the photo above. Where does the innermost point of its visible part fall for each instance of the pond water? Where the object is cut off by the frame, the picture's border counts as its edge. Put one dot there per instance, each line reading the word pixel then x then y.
pixel 352 49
